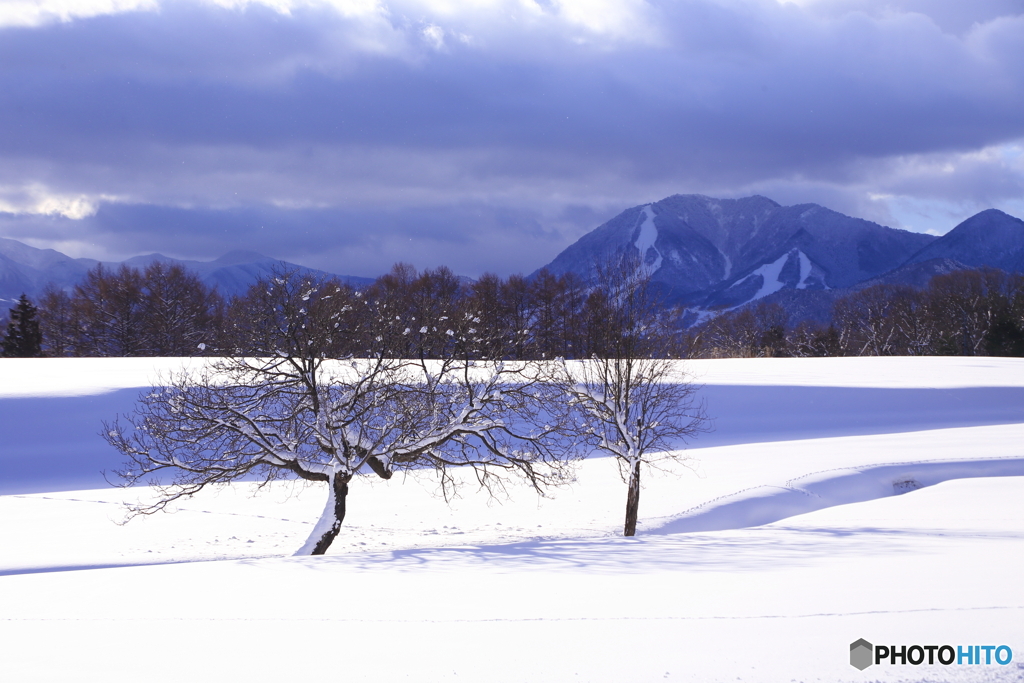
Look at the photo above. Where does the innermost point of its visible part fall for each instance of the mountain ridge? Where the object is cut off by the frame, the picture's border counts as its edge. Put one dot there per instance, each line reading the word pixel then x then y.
pixel 720 253
pixel 29 270
pixel 988 238
pixel 704 253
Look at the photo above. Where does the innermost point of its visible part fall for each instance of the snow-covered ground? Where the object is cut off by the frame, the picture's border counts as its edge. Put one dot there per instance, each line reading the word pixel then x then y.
pixel 889 494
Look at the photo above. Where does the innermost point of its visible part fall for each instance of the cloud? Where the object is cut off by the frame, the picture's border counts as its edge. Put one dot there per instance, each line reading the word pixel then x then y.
pixel 930 192
pixel 474 129
pixel 951 16
pixel 36 199
pixel 39 12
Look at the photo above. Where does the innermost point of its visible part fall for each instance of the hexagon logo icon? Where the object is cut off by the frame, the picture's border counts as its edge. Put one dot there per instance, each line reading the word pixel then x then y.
pixel 861 654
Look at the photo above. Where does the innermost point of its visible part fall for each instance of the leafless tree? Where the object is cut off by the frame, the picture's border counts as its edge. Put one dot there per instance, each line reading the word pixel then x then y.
pixel 58 320
pixel 882 320
pixel 962 305
pixel 753 331
pixel 299 413
pixel 634 403
pixel 639 410
pixel 180 314
pixel 109 311
pixel 809 339
pixel 162 311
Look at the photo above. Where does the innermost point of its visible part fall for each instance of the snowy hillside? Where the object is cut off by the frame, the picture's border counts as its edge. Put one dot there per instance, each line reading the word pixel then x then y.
pixel 725 252
pixel 836 499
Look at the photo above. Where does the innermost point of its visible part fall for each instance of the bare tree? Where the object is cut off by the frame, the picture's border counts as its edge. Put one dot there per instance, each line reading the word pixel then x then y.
pixel 634 403
pixel 809 339
pixel 299 413
pixel 962 305
pixel 753 331
pixel 180 314
pixel 58 322
pixel 882 320
pixel 109 311
pixel 639 410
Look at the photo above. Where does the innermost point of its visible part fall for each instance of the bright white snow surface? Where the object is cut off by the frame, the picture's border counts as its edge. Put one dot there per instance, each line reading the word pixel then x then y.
pixel 646 239
pixel 889 494
pixel 770 273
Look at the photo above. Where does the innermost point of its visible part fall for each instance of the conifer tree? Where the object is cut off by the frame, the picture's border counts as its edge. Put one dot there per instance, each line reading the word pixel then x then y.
pixel 23 339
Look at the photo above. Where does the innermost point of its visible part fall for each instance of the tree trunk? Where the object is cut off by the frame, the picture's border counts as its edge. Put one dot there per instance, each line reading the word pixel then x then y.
pixel 632 500
pixel 326 530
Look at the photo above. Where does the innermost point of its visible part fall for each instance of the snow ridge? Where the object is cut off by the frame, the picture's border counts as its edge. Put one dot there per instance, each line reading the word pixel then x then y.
pixel 766 504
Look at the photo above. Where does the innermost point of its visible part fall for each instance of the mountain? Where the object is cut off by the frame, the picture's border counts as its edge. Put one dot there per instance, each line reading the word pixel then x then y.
pixel 721 253
pixel 816 304
pixel 704 253
pixel 234 272
pixel 990 238
pixel 915 273
pixel 29 270
pixel 15 278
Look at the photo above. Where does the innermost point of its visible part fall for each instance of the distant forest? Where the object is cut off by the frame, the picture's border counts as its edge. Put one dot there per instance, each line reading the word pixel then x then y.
pixel 167 311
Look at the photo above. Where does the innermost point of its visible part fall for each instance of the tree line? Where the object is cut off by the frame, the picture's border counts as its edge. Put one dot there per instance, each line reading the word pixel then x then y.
pixel 165 310
pixel 965 313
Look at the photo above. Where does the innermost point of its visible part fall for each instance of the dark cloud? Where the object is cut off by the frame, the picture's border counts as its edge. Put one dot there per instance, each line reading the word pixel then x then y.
pixel 485 141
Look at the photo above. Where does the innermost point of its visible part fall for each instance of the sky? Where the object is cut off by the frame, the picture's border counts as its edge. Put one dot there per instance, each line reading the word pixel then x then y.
pixel 488 135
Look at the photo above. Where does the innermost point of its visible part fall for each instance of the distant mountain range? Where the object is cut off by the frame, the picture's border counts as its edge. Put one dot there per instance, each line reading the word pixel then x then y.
pixel 704 253
pixel 25 269
pixel 708 253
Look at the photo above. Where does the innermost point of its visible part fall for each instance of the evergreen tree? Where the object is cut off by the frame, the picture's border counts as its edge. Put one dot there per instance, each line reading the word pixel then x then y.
pixel 23 339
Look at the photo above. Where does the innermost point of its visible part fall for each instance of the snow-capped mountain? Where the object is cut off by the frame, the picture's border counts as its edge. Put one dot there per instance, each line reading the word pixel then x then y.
pixel 25 269
pixel 726 252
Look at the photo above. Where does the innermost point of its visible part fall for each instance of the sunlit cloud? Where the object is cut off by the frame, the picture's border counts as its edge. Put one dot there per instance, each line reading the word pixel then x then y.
pixel 39 12
pixel 36 199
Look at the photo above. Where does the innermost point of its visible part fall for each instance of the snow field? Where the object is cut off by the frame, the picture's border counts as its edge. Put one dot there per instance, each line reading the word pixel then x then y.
pixel 725 487
pixel 530 589
pixel 773 603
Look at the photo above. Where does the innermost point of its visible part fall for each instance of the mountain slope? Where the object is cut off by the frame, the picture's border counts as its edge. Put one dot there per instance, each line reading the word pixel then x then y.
pixel 725 252
pixel 989 238
pixel 25 269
